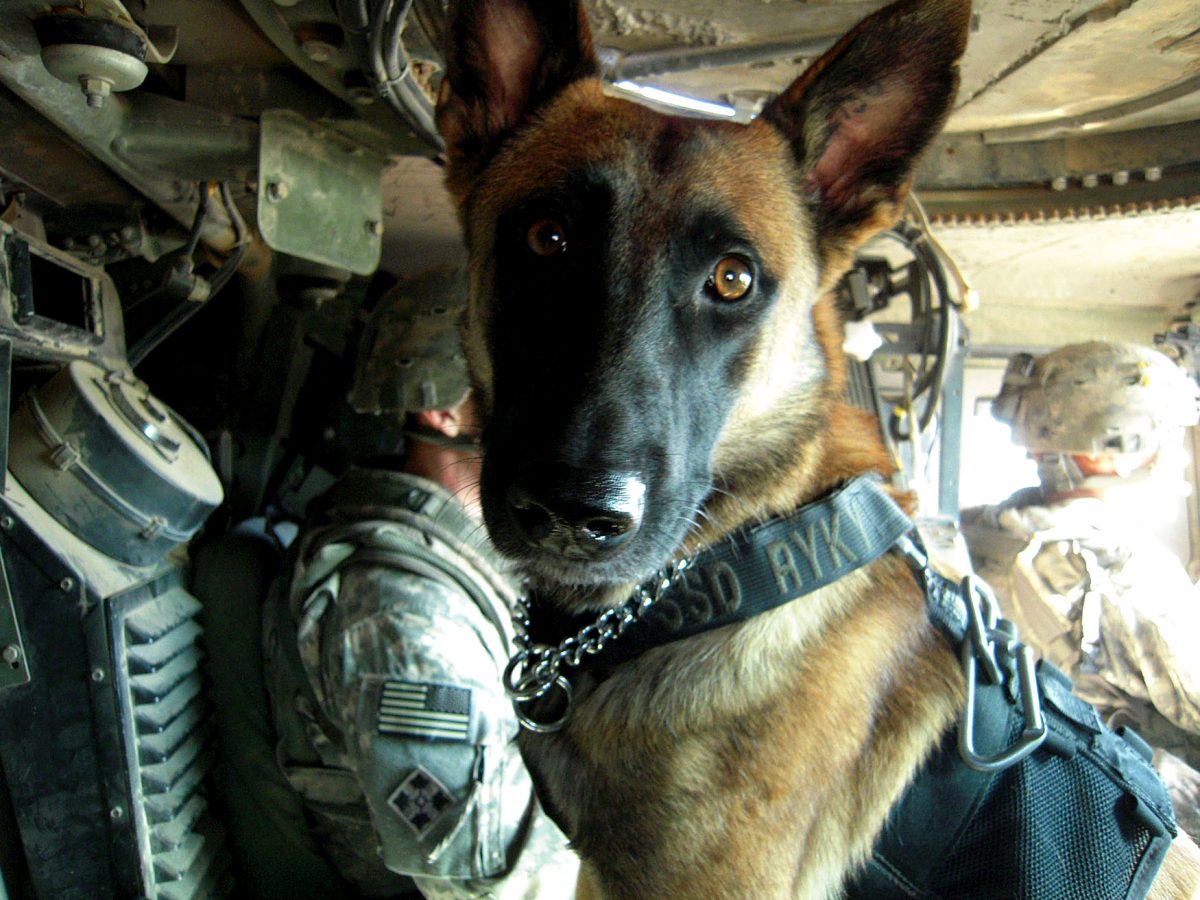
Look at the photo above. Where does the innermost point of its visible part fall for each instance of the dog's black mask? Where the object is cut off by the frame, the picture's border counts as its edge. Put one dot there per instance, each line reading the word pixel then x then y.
pixel 616 362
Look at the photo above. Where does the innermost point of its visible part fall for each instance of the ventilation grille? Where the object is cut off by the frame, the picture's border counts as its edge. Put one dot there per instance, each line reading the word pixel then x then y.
pixel 183 844
pixel 860 391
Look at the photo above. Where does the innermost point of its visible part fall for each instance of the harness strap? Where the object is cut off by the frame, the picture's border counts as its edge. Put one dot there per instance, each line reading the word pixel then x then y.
pixel 767 566
pixel 925 826
pixel 1005 693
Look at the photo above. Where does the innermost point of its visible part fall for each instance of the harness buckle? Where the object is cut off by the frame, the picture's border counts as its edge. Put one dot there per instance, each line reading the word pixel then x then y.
pixel 986 634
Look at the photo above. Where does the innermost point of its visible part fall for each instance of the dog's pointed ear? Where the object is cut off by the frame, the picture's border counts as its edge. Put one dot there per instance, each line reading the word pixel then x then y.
pixel 504 59
pixel 859 117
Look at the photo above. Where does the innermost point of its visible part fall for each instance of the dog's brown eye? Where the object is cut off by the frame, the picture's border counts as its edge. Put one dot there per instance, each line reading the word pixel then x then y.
pixel 546 237
pixel 731 279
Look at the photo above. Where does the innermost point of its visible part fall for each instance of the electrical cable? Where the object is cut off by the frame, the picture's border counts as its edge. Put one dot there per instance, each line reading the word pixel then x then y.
pixel 933 384
pixel 925 281
pixel 965 292
pixel 375 28
pixel 193 241
pixel 230 266
pixel 395 61
pixel 185 310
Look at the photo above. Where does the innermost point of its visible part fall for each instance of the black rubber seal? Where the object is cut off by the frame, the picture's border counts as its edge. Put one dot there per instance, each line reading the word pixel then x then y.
pixel 56 30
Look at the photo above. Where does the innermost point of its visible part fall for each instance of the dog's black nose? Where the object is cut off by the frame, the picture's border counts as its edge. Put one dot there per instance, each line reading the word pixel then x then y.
pixel 578 514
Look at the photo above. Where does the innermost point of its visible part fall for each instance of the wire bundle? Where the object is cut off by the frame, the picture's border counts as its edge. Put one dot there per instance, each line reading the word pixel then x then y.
pixel 375 29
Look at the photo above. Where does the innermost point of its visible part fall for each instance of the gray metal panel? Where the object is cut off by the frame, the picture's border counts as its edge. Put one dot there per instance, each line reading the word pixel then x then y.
pixel 320 194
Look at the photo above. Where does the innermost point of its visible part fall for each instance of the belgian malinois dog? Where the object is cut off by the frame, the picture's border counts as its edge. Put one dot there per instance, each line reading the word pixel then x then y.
pixel 653 342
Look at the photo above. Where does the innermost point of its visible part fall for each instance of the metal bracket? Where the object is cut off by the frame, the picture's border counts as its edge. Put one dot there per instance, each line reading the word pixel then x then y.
pixel 14 666
pixel 320 194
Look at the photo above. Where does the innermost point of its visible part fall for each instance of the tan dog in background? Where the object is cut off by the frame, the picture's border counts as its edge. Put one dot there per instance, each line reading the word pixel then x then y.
pixel 659 360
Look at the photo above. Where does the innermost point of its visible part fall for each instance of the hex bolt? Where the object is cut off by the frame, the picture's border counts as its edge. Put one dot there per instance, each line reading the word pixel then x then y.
pixel 97 675
pixel 1059 183
pixel 1120 177
pixel 11 655
pixel 6 522
pixel 95 89
pixel 1090 180
pixel 116 813
pixel 276 191
pixel 66 584
pixel 1154 173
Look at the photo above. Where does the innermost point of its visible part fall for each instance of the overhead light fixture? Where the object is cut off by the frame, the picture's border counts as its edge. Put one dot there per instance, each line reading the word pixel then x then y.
pixel 679 102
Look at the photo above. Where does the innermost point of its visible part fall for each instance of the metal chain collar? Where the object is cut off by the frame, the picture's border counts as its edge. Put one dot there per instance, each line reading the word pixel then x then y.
pixel 535 669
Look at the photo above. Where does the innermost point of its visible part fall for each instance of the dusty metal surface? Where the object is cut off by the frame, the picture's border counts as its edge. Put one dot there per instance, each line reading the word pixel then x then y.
pixel 1028 61
pixel 1055 283
pixel 320 193
pixel 1079 113
pixel 1067 178
pixel 1139 50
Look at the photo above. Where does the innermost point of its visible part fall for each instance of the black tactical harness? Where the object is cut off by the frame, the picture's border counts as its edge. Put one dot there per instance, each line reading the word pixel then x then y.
pixel 1030 798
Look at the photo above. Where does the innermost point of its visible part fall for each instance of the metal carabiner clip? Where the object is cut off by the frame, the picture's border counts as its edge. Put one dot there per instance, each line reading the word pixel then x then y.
pixel 1035 731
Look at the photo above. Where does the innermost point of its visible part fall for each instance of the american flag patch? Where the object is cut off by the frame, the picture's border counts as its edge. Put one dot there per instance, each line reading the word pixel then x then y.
pixel 436 711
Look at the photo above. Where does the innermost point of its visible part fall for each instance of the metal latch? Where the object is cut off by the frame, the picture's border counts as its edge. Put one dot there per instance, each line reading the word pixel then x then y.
pixel 14 666
pixel 990 641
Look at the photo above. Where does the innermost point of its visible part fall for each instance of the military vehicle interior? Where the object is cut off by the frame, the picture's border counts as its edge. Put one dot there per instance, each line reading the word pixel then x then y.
pixel 203 202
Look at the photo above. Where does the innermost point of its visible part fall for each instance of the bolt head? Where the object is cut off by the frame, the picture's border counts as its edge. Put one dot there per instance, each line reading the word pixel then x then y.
pixel 6 522
pixel 11 654
pixel 97 675
pixel 1059 183
pixel 276 191
pixel 1090 180
pixel 318 51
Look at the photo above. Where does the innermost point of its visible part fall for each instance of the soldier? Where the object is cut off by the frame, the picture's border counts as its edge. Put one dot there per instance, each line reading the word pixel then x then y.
pixel 1099 597
pixel 386 638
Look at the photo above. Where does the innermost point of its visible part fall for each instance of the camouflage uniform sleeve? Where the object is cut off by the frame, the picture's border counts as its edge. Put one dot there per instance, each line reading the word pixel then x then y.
pixel 408 670
pixel 1149 620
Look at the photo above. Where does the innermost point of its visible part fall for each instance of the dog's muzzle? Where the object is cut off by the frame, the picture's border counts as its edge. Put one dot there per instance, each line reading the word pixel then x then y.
pixel 575 514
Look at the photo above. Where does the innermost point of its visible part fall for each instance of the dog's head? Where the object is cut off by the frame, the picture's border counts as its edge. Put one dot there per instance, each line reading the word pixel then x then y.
pixel 644 330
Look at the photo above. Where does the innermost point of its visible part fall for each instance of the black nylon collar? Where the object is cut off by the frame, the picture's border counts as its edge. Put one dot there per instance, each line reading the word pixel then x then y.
pixel 758 569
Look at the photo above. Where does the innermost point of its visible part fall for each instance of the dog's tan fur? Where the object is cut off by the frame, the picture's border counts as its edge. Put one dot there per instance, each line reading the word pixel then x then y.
pixel 759 760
